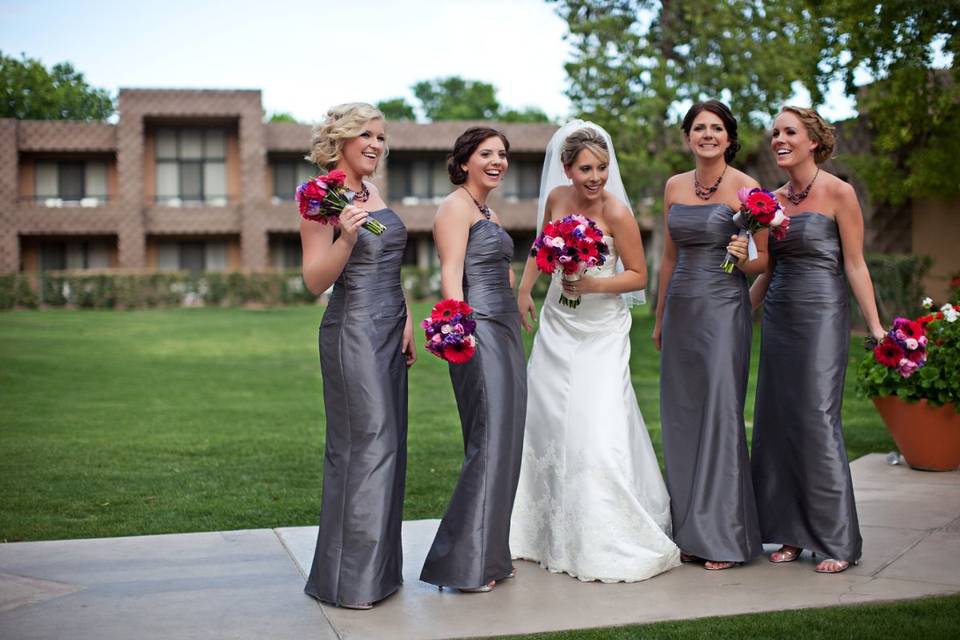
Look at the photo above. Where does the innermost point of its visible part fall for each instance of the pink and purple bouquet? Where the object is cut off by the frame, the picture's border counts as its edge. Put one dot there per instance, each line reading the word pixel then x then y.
pixel 449 331
pixel 759 209
pixel 570 245
pixel 904 348
pixel 321 199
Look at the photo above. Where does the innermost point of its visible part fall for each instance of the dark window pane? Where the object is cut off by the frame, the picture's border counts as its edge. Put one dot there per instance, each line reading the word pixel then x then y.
pixel 292 254
pixel 284 177
pixel 191 256
pixel 53 256
pixel 398 180
pixel 191 180
pixel 70 180
pixel 529 180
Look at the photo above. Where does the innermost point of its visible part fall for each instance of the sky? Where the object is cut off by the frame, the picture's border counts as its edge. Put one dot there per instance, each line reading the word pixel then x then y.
pixel 307 56
pixel 304 56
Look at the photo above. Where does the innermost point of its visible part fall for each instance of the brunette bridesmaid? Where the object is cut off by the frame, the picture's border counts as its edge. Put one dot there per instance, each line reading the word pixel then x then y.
pixel 471 551
pixel 703 331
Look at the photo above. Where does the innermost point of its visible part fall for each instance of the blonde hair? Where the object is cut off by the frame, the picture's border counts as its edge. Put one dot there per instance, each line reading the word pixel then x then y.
pixel 586 138
pixel 343 122
pixel 819 130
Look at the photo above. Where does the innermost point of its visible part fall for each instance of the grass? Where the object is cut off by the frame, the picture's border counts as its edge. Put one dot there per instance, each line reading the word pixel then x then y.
pixel 929 618
pixel 125 423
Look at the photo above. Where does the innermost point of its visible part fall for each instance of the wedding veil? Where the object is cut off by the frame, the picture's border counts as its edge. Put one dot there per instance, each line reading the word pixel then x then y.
pixel 553 176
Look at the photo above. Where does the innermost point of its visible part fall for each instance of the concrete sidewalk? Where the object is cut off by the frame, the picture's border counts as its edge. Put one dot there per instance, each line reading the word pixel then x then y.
pixel 248 584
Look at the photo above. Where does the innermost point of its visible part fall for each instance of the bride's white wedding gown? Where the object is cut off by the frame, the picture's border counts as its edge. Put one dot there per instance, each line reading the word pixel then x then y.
pixel 591 501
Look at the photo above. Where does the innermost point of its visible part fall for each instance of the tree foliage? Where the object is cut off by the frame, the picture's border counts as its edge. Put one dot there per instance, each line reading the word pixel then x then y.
pixel 281 116
pixel 637 63
pixel 28 91
pixel 911 107
pixel 397 109
pixel 454 98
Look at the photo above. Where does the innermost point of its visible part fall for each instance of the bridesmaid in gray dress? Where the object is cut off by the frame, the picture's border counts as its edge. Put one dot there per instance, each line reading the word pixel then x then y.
pixel 366 345
pixel 471 551
pixel 703 331
pixel 800 471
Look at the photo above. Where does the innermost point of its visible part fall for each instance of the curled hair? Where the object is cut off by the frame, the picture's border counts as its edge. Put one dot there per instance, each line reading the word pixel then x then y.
pixel 723 112
pixel 819 130
pixel 464 147
pixel 343 122
pixel 586 138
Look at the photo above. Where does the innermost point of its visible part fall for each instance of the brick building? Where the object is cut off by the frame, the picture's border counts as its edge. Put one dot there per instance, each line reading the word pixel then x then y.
pixel 194 179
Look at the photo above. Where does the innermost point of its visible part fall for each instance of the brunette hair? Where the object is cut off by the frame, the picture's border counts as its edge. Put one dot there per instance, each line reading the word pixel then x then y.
pixel 586 138
pixel 343 121
pixel 819 130
pixel 464 147
pixel 723 112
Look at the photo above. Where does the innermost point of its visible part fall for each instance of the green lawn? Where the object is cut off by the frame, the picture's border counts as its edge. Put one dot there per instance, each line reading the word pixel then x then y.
pixel 929 618
pixel 121 423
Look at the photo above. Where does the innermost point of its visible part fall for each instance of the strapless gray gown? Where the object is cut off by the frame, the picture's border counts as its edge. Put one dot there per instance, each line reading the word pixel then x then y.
pixel 358 557
pixel 472 547
pixel 704 364
pixel 800 470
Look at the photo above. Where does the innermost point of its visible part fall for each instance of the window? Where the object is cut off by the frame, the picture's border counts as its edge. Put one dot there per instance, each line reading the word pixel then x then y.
pixel 286 253
pixel 426 179
pixel 191 166
pixel 522 179
pixel 288 175
pixel 60 182
pixel 74 255
pixel 192 255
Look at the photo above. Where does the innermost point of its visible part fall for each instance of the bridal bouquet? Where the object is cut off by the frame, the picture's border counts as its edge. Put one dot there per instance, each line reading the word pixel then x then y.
pixel 449 331
pixel 759 209
pixel 570 245
pixel 321 199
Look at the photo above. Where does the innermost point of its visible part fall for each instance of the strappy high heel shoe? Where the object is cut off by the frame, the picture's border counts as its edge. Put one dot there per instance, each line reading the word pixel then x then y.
pixel 840 565
pixel 787 553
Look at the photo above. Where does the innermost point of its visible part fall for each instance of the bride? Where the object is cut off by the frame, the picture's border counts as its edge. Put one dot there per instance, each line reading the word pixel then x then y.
pixel 591 501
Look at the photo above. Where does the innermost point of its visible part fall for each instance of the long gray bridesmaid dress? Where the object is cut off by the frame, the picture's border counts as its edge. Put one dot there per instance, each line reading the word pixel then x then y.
pixel 800 470
pixel 358 557
pixel 704 364
pixel 472 547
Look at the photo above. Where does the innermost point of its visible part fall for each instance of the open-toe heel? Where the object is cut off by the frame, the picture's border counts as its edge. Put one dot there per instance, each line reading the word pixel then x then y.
pixel 786 553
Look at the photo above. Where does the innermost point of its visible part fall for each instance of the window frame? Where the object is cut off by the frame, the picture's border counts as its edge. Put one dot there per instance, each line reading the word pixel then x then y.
pixel 180 162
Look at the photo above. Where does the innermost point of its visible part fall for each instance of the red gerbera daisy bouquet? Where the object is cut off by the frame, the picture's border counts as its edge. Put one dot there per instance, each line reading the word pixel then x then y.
pixel 321 199
pixel 917 359
pixel 904 348
pixel 570 245
pixel 759 209
pixel 449 331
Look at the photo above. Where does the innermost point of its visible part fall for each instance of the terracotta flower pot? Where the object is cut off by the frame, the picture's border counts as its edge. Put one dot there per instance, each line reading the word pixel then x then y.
pixel 928 437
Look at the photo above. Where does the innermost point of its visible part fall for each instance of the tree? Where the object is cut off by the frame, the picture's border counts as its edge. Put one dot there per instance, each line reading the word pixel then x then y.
pixel 637 63
pixel 527 114
pixel 281 116
pixel 454 98
pixel 396 109
pixel 29 92
pixel 911 107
